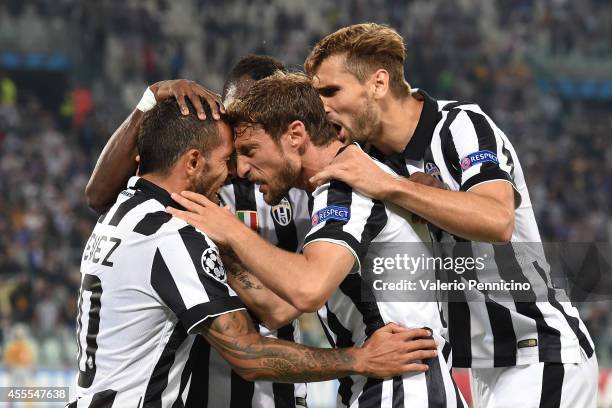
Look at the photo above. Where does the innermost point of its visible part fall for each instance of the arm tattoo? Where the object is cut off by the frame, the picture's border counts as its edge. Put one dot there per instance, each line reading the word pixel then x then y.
pixel 235 268
pixel 261 358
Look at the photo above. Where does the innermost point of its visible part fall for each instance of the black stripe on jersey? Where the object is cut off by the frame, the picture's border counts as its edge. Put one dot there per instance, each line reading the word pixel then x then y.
pixel 286 234
pixel 485 135
pixel 159 377
pixel 198 388
pixel 310 203
pixel 454 105
pixel 354 287
pixel 164 285
pixel 508 155
pixel 436 391
pixel 284 394
pixel 241 392
pixel 371 396
pixel 213 308
pixel 549 338
pixel 500 319
pixel 103 399
pixel 374 224
pixel 459 320
pixel 152 222
pixel 127 206
pixel 196 244
pixel 504 337
pixel 244 194
pixel 398 392
pixel 185 375
pixel 573 322
pixel 449 152
pixel 343 339
pixel 486 175
pixel 552 385
pixel 102 217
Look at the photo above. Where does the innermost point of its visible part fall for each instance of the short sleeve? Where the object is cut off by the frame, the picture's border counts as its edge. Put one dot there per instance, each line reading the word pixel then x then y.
pixel 345 217
pixel 479 149
pixel 190 278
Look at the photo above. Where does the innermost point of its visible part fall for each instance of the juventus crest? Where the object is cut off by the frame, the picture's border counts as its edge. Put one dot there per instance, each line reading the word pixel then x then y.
pixel 282 212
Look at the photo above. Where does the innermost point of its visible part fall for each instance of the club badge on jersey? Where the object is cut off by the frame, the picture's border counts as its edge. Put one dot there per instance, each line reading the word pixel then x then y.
pixel 282 212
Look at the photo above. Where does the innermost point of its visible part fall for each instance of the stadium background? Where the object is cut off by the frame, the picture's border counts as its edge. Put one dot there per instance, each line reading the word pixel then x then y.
pixel 70 71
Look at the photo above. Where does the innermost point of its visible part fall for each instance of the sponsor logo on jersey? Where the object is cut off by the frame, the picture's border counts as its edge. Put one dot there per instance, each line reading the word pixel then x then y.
pixel 481 156
pixel 212 265
pixel 332 212
pixel 282 212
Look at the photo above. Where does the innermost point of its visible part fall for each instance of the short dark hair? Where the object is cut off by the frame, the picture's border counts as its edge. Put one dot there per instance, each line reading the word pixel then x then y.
pixel 276 101
pixel 253 66
pixel 165 134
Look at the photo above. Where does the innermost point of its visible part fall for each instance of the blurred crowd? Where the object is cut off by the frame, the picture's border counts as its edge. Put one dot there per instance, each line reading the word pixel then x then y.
pixel 495 53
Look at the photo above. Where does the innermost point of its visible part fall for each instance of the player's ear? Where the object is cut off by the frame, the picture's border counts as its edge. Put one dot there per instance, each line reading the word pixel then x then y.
pixel 296 135
pixel 194 161
pixel 380 83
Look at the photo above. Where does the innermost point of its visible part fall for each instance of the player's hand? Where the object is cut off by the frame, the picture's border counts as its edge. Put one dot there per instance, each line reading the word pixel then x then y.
pixel 182 89
pixel 393 350
pixel 426 180
pixel 217 222
pixel 354 167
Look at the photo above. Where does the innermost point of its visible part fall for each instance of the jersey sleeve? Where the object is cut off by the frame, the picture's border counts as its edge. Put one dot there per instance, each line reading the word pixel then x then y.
pixel 189 276
pixel 345 217
pixel 476 147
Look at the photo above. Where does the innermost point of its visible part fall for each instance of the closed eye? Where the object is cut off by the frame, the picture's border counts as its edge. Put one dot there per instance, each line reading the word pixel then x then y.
pixel 328 91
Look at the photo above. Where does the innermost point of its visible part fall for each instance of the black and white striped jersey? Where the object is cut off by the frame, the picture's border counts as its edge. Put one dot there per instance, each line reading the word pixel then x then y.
pixel 148 280
pixel 461 146
pixel 345 217
pixel 284 225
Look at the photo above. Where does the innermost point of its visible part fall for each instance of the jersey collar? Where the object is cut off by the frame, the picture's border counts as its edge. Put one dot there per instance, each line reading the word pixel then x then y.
pixel 154 191
pixel 421 139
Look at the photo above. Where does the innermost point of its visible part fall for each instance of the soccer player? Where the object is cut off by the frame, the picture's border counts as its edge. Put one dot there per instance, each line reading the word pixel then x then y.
pixel 535 343
pixel 151 283
pixel 282 139
pixel 284 225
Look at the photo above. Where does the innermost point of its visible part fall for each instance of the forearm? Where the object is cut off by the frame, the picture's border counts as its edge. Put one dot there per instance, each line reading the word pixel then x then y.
pixel 116 164
pixel 266 359
pixel 273 311
pixel 466 214
pixel 284 273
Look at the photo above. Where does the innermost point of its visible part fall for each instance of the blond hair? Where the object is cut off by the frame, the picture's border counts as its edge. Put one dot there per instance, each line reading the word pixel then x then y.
pixel 367 47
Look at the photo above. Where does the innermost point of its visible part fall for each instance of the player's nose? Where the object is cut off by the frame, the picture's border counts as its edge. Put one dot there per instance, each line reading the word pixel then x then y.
pixel 242 167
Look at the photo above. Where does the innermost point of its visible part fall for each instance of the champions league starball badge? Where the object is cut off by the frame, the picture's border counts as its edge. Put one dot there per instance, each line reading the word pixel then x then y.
pixel 212 265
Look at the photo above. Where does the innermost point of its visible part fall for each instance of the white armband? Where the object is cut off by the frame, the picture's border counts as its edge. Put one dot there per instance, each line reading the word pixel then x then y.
pixel 147 102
